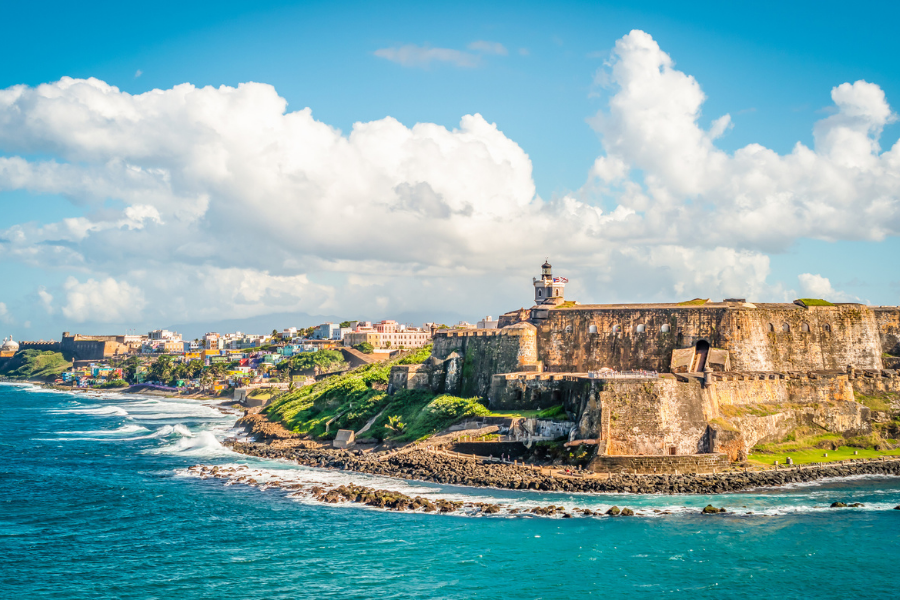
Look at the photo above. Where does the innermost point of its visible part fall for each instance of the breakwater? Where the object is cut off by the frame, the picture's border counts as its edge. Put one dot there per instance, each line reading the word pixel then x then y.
pixel 438 467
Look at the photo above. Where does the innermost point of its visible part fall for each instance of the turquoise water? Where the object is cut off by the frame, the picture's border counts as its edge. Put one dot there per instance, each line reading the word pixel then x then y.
pixel 97 502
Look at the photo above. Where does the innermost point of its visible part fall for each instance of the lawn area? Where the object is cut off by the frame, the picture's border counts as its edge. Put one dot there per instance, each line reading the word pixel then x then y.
pixel 554 412
pixel 813 455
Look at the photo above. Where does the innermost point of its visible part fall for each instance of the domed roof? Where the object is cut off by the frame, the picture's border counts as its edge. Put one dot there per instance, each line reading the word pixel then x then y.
pixel 9 344
pixel 546 265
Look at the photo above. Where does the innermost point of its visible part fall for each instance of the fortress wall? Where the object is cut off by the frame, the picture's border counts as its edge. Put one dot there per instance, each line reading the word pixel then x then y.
pixel 838 336
pixel 888 319
pixel 482 353
pixel 566 343
pixel 644 417
pixel 783 389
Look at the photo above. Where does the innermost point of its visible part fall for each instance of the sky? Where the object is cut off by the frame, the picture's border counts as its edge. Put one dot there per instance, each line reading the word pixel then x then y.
pixel 211 165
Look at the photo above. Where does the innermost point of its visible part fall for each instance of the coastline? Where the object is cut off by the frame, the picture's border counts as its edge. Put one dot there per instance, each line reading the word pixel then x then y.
pixel 439 467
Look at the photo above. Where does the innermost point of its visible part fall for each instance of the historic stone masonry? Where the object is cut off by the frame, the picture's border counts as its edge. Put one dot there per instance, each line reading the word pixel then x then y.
pixel 673 379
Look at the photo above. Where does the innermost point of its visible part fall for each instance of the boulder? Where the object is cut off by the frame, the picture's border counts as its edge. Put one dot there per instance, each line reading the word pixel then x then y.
pixel 614 511
pixel 627 512
pixel 838 505
pixel 709 509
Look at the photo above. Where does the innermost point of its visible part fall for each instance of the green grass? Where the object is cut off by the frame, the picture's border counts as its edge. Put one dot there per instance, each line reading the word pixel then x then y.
pixel 554 412
pixel 881 402
pixel 694 302
pixel 566 304
pixel 35 364
pixel 802 457
pixel 351 399
pixel 815 302
pixel 798 440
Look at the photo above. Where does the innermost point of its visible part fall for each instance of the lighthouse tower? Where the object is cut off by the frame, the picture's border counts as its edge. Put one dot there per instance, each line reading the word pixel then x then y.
pixel 548 289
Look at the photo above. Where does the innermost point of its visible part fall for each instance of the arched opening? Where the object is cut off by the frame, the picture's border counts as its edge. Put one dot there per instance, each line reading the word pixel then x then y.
pixel 805 328
pixel 616 329
pixel 701 351
pixel 592 329
pixel 771 328
pixel 640 328
pixel 785 328
pixel 518 394
pixel 568 329
pixel 665 328
pixel 557 292
pixel 556 397
pixel 540 293
pixel 827 328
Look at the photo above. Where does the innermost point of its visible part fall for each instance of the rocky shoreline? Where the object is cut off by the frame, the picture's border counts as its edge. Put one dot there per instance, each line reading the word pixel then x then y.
pixel 447 469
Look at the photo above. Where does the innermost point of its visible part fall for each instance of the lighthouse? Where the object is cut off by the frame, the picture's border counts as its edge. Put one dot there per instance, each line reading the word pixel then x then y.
pixel 549 289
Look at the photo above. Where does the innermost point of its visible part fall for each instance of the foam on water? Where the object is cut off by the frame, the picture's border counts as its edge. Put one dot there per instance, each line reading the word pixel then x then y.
pixel 204 444
pixel 773 502
pixel 100 411
pixel 124 430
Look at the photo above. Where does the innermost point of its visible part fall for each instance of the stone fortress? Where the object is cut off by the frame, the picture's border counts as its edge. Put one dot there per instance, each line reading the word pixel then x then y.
pixel 695 384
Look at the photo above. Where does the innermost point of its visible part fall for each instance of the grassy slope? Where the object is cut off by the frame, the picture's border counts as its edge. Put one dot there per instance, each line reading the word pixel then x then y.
pixel 802 457
pixel 353 398
pixel 35 364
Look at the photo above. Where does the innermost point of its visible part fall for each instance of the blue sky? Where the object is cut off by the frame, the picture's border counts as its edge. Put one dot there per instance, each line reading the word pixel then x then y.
pixel 771 67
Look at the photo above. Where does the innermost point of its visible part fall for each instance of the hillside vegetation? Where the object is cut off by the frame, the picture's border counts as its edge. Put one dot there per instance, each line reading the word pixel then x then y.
pixel 350 400
pixel 35 364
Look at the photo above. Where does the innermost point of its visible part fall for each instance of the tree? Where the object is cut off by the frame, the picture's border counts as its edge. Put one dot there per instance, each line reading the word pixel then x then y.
pixel 345 324
pixel 326 360
pixel 365 348
pixel 161 370
pixel 394 424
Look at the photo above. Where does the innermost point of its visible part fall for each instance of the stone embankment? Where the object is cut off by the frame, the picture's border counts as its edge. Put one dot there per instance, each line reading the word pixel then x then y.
pixel 453 470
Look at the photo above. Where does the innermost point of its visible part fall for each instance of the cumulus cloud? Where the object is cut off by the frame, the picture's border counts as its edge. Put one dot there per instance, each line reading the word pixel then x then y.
pixel 228 205
pixel 106 301
pixel 411 55
pixel 46 300
pixel 816 286
pixel 755 198
pixel 489 47
pixel 5 317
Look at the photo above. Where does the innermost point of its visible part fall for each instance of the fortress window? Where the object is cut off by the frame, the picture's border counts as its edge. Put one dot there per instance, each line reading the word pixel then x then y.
pixel 640 328
pixel 568 329
pixel 805 328
pixel 557 292
pixel 827 328
pixel 592 329
pixel 665 328
pixel 539 293
pixel 771 328
pixel 785 328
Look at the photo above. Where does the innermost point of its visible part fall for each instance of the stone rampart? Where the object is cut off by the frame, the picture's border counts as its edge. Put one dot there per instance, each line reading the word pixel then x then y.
pixel 472 356
pixel 888 318
pixel 767 337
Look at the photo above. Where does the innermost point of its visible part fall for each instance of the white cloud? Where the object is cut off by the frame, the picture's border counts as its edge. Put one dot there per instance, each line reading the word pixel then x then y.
pixel 489 47
pixel 46 300
pixel 412 55
pixel 106 301
pixel 226 205
pixel 138 73
pixel 816 286
pixel 5 317
pixel 755 198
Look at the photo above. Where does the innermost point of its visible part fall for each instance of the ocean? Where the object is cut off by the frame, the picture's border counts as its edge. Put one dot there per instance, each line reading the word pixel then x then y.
pixel 98 502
